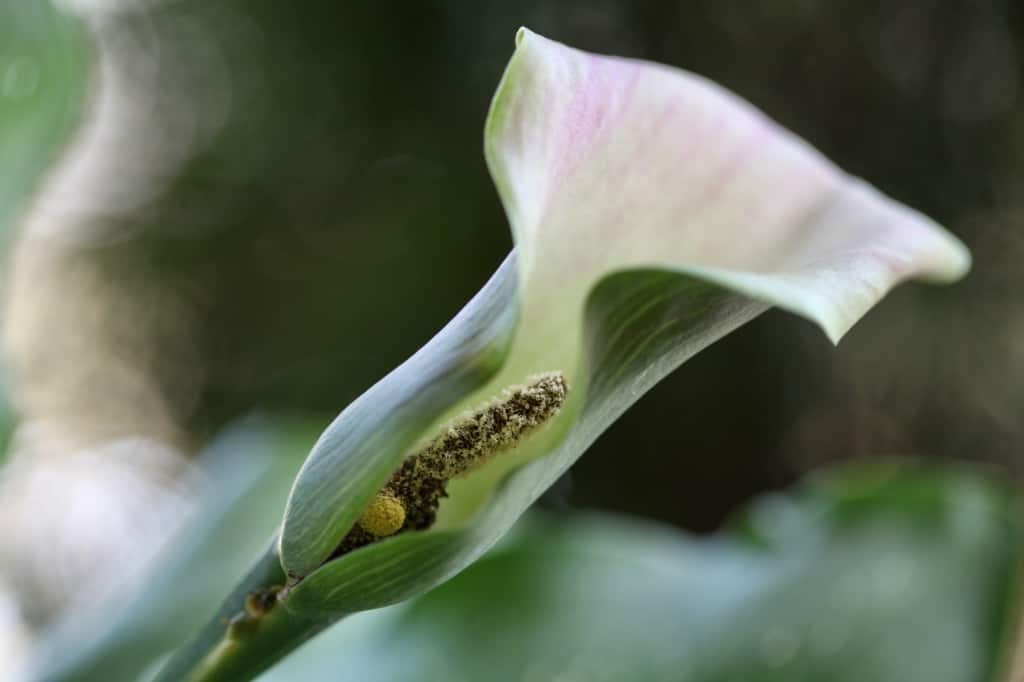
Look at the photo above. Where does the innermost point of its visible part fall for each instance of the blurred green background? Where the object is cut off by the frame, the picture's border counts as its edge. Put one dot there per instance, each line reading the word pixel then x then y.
pixel 268 206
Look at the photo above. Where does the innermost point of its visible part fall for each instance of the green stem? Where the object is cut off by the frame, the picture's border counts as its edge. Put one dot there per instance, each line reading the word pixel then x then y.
pixel 244 652
pixel 234 648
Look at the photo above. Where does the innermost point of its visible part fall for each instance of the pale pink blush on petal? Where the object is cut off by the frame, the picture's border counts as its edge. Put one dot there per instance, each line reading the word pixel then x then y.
pixel 606 164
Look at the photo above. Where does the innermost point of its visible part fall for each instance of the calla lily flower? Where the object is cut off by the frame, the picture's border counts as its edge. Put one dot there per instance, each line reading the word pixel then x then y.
pixel 652 212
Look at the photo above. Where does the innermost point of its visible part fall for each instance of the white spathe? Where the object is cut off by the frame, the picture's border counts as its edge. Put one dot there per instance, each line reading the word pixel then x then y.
pixel 606 164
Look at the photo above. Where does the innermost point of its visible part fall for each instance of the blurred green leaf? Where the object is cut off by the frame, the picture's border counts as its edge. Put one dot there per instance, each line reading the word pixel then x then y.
pixel 249 469
pixel 44 67
pixel 881 573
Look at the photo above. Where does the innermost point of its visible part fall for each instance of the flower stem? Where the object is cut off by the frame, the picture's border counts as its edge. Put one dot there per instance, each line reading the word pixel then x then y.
pixel 244 655
pixel 237 645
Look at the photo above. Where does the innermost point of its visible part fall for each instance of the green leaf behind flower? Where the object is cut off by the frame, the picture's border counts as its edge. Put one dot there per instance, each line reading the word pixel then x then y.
pixel 884 573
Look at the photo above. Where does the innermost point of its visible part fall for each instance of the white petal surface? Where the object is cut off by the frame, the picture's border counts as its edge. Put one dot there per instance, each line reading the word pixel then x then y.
pixel 606 164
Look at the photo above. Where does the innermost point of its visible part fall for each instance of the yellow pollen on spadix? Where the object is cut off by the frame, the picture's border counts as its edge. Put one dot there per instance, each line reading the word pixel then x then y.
pixel 384 516
pixel 410 499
